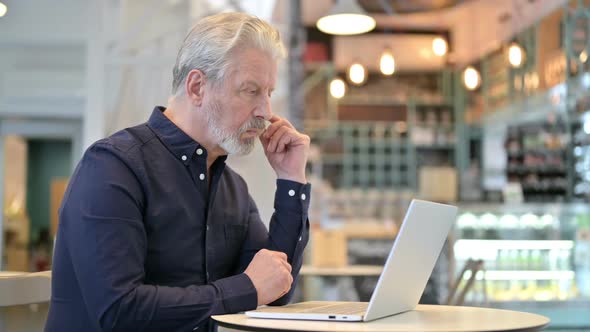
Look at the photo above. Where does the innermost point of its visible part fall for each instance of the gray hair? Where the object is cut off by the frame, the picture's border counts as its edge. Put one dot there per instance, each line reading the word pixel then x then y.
pixel 212 40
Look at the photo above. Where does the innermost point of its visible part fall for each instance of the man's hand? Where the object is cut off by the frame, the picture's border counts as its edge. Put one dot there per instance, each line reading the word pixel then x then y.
pixel 270 273
pixel 286 149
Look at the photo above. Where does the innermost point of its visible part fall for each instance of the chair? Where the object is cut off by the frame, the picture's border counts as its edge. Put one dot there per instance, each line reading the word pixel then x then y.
pixel 473 266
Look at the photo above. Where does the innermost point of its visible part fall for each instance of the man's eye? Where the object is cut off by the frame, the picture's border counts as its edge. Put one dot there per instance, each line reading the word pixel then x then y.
pixel 253 92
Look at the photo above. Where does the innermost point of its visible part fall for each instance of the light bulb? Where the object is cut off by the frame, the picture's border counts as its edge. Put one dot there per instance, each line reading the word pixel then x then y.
pixel 439 46
pixel 357 73
pixel 337 88
pixel 387 63
pixel 3 9
pixel 515 55
pixel 471 78
pixel 584 56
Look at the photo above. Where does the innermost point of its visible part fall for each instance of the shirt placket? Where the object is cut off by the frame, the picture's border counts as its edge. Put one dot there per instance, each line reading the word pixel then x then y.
pixel 199 175
pixel 212 239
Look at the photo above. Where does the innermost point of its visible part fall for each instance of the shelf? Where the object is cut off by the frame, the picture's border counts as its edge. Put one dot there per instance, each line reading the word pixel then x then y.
pixel 541 170
pixel 389 101
pixel 543 151
pixel 476 245
pixel 436 126
pixel 526 275
pixel 435 147
pixel 550 189
pixel 368 230
pixel 317 65
pixel 577 302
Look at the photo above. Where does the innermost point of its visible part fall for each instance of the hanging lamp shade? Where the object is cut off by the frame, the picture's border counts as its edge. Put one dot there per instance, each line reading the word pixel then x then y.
pixel 346 18
pixel 3 9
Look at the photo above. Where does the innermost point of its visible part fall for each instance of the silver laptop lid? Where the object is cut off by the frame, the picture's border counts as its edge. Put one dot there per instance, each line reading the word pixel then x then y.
pixel 412 258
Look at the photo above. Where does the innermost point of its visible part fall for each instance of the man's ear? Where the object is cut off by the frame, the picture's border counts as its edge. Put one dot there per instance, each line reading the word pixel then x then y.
pixel 195 86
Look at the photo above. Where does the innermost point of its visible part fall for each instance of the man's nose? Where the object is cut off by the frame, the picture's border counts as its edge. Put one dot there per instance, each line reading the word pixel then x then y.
pixel 264 110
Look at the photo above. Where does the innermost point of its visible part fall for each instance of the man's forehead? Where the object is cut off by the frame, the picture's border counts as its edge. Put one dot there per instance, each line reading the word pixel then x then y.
pixel 244 75
pixel 247 82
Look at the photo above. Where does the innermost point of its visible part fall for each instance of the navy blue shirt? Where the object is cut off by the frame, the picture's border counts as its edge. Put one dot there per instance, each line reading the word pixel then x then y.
pixel 145 245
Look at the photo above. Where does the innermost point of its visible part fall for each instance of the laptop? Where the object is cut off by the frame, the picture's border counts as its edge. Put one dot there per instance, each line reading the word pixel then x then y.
pixel 404 277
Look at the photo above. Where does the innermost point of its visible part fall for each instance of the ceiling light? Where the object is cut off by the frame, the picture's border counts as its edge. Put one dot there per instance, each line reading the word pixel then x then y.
pixel 439 46
pixel 346 18
pixel 3 9
pixel 471 78
pixel 337 88
pixel 387 63
pixel 357 74
pixel 515 55
pixel 584 56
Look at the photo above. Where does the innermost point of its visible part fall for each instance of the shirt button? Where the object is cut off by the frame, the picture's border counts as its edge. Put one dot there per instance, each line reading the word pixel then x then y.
pixel 199 151
pixel 303 196
pixel 183 158
pixel 207 227
pixel 202 176
pixel 300 239
pixel 291 192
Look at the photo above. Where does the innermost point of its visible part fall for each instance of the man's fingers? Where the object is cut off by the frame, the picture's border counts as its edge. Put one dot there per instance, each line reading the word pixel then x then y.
pixel 274 118
pixel 275 138
pixel 282 258
pixel 286 265
pixel 264 141
pixel 284 141
pixel 279 254
pixel 277 122
pixel 270 131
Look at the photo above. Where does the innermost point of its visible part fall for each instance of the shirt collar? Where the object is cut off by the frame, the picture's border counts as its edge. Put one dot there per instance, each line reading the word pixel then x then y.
pixel 177 141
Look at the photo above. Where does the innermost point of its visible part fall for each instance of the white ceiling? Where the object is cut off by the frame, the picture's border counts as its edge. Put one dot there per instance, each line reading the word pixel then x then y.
pixel 474 25
pixel 43 22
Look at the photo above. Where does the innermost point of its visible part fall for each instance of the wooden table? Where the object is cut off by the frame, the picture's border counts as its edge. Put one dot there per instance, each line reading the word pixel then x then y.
pixel 17 288
pixel 24 300
pixel 428 318
pixel 343 271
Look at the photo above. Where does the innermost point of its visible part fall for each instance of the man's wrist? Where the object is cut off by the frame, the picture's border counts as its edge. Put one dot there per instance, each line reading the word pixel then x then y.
pixel 301 178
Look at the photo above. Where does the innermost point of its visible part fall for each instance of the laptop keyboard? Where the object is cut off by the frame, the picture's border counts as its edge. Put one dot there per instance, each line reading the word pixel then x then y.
pixel 340 308
pixel 318 307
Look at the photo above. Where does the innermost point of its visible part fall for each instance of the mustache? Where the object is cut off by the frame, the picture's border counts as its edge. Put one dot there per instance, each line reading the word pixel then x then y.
pixel 254 123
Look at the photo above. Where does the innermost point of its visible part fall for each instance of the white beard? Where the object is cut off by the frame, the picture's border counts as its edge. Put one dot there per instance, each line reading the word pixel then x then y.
pixel 231 142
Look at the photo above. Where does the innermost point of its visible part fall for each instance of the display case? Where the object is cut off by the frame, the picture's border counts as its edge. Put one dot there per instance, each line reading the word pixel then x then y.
pixel 535 258
pixel 537 159
pixel 580 128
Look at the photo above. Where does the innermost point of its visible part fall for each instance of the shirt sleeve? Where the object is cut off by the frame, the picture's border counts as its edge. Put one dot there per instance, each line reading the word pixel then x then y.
pixel 288 229
pixel 102 226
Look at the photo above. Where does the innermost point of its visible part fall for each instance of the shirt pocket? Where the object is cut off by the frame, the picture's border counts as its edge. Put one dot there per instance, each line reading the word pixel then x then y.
pixel 228 240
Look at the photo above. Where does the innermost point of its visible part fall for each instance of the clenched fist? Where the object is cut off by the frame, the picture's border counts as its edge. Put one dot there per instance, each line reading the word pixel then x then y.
pixel 270 273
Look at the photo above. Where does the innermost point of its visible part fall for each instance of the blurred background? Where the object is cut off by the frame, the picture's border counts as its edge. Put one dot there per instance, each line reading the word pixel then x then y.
pixel 479 103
